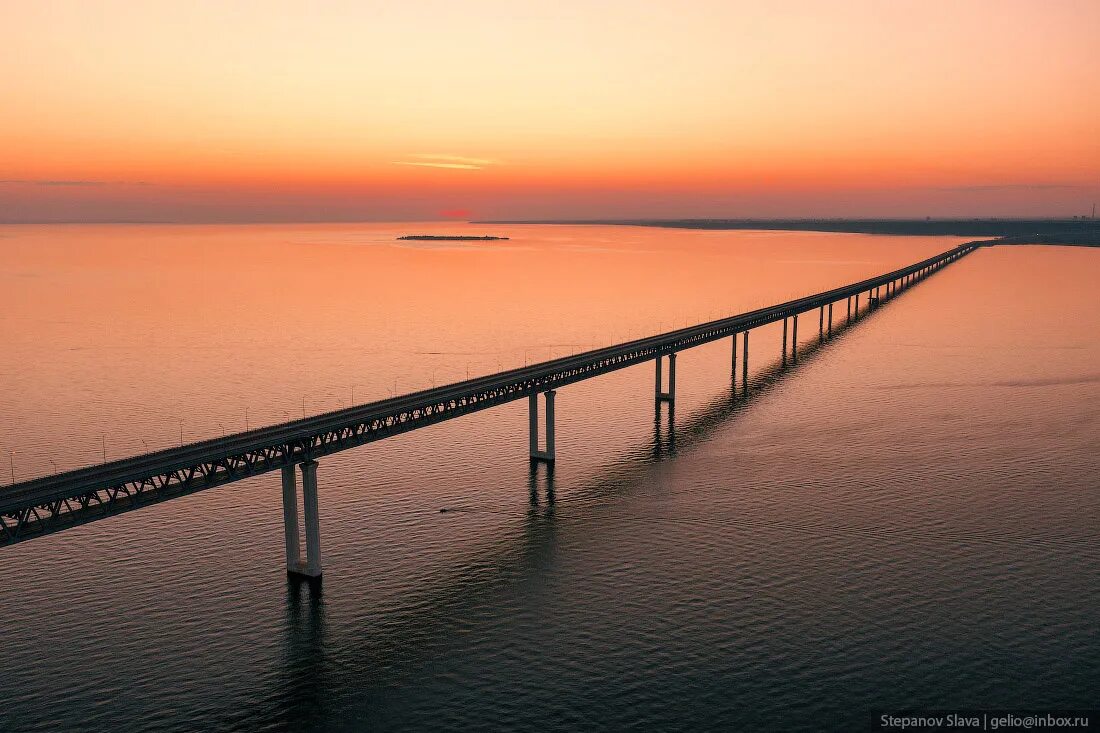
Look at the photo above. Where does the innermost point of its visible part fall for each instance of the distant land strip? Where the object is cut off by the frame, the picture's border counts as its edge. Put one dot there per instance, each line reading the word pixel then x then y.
pixel 1085 232
pixel 450 237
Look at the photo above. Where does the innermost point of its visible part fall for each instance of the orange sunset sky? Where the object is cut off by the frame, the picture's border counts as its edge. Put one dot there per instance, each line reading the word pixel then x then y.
pixel 417 109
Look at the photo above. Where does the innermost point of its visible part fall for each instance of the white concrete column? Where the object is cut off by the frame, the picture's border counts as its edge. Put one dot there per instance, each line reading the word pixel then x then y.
pixel 533 423
pixel 550 451
pixel 733 361
pixel 533 426
pixel 661 394
pixel 672 377
pixel 659 388
pixel 745 361
pixel 794 338
pixel 313 530
pixel 290 518
pixel 783 349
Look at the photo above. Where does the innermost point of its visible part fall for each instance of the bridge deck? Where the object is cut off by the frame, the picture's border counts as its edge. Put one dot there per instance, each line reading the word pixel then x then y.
pixel 47 504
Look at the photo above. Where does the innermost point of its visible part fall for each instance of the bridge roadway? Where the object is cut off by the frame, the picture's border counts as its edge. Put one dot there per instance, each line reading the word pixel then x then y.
pixel 48 504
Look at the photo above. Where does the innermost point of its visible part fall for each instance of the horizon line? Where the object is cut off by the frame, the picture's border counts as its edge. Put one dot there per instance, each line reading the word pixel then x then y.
pixel 562 220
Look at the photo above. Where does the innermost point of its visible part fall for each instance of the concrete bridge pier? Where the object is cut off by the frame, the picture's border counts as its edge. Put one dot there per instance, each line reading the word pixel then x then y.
pixel 783 350
pixel 855 310
pixel 821 320
pixel 830 332
pixel 547 455
pixel 794 339
pixel 311 566
pixel 661 394
pixel 745 362
pixel 733 363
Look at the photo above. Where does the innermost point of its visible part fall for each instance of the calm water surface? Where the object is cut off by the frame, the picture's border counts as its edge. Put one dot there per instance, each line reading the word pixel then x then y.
pixel 907 519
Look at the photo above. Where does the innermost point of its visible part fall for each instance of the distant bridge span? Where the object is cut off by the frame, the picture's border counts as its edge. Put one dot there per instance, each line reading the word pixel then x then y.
pixel 52 503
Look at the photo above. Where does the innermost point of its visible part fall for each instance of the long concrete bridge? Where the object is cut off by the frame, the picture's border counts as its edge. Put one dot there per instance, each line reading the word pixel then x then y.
pixel 52 503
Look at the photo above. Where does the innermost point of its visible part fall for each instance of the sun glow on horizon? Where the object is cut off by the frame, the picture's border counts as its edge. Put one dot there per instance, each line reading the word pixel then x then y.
pixel 272 110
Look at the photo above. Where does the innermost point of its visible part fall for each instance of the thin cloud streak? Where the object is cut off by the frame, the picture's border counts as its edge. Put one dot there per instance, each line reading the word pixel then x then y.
pixel 446 158
pixel 454 166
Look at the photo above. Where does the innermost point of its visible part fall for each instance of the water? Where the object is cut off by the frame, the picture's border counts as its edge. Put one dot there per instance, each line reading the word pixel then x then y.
pixel 906 519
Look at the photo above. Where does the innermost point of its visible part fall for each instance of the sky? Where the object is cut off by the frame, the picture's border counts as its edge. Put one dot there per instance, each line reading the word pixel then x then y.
pixel 426 109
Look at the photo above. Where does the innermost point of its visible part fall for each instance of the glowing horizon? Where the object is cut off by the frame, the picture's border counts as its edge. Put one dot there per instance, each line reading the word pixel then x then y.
pixel 278 111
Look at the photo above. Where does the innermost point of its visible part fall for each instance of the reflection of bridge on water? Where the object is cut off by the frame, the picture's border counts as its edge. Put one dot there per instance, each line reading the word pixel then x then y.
pixel 49 504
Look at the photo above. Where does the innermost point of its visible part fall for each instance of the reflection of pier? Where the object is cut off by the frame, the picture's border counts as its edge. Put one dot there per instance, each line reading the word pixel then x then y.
pixel 52 503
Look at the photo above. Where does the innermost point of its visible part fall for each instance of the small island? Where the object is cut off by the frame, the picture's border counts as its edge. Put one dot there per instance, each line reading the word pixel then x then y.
pixel 450 238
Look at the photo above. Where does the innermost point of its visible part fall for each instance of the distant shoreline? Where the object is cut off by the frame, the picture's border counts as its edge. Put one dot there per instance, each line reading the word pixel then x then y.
pixel 1085 232
pixel 451 238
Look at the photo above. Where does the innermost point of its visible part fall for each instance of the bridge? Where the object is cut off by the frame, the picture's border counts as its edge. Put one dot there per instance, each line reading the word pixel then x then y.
pixel 41 506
